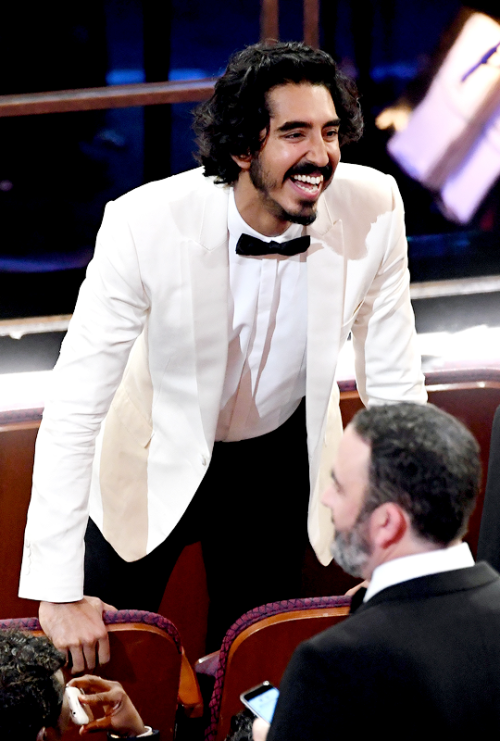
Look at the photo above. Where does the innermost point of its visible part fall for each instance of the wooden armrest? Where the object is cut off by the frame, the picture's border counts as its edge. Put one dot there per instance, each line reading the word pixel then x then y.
pixel 208 664
pixel 189 691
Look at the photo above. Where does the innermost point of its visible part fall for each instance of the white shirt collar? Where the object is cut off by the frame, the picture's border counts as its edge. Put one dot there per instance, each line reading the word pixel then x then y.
pixel 238 226
pixel 420 564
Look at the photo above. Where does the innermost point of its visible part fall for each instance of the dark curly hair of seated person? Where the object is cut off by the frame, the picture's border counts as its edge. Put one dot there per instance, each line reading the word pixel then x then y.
pixel 231 122
pixel 31 695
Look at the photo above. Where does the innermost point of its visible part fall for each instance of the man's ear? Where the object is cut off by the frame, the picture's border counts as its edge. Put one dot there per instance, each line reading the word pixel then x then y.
pixel 389 523
pixel 242 160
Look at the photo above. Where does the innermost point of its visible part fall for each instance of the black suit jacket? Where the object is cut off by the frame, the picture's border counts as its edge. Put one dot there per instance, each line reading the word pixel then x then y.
pixel 420 659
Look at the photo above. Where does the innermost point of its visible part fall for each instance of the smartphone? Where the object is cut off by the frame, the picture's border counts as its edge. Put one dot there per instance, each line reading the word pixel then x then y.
pixel 78 713
pixel 261 700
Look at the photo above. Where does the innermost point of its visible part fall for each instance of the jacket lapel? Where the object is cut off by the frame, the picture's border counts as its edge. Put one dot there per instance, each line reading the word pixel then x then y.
pixel 209 268
pixel 325 278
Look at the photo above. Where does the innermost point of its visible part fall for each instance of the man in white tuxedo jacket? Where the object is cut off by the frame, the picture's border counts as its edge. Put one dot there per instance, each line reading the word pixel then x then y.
pixel 216 301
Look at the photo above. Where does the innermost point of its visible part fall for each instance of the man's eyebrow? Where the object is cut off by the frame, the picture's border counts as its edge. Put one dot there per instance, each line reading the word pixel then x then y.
pixel 289 125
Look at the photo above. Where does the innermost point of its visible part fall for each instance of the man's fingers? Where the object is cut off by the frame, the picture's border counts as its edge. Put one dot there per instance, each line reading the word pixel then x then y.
pixel 84 657
pixel 77 659
pixel 111 608
pixel 98 698
pixel 260 729
pixel 89 652
pixel 91 682
pixel 103 652
pixel 97 725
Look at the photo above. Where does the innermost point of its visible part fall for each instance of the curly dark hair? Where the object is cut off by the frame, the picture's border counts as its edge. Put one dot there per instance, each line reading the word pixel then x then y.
pixel 30 694
pixel 231 121
pixel 425 460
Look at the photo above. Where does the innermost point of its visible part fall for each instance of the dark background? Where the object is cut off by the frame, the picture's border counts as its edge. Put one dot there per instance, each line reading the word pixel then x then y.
pixel 58 171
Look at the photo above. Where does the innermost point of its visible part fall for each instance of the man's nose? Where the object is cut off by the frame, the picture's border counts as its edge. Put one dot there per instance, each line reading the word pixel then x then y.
pixel 318 151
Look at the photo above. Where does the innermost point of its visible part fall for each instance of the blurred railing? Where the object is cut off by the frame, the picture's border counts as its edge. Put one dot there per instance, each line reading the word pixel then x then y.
pixel 116 96
pixel 152 93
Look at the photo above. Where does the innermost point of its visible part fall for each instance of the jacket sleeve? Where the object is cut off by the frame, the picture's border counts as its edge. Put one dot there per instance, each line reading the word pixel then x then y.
pixel 387 360
pixel 110 314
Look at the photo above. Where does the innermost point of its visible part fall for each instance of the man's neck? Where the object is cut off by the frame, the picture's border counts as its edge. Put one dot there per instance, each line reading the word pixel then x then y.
pixel 249 202
pixel 410 545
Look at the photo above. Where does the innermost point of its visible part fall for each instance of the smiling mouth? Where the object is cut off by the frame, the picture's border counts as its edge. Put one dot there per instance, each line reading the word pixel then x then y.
pixel 310 184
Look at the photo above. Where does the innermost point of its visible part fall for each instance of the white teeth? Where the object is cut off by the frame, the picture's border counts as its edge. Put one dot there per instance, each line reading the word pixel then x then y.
pixel 309 179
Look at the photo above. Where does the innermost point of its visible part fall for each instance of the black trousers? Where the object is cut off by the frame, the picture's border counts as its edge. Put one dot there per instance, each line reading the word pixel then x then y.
pixel 250 513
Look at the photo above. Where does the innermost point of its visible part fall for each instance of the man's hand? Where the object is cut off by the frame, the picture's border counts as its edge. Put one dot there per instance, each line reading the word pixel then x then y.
pixel 111 707
pixel 260 729
pixel 77 629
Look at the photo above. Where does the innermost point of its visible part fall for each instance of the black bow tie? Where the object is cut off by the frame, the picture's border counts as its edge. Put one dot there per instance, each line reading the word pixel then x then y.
pixel 251 246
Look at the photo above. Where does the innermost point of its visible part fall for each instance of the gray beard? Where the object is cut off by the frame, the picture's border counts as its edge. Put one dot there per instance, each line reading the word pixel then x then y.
pixel 351 550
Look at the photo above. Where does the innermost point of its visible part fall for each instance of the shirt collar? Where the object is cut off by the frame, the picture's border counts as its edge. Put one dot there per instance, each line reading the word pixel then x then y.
pixel 419 564
pixel 238 226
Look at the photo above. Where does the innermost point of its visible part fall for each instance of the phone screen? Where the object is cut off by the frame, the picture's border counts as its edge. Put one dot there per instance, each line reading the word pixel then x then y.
pixel 264 704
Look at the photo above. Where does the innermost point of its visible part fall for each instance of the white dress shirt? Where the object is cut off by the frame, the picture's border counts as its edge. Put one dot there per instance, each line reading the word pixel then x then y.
pixel 420 564
pixel 267 313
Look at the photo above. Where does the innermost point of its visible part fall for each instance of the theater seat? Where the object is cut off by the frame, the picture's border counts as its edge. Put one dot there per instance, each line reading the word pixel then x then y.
pixel 148 659
pixel 258 647
pixel 488 547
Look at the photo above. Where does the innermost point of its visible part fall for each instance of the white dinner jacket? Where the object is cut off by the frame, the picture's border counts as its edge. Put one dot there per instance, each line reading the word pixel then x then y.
pixel 155 303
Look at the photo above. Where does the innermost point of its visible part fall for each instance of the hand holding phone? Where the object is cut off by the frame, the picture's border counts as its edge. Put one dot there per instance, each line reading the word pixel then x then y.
pixel 261 700
pixel 260 729
pixel 78 712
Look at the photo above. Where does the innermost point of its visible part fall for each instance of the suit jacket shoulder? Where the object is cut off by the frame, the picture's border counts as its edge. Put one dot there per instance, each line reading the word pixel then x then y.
pixel 167 190
pixel 433 601
pixel 426 656
pixel 356 187
pixel 184 202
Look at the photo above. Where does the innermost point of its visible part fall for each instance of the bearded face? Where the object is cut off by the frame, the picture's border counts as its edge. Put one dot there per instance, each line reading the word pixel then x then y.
pixel 351 548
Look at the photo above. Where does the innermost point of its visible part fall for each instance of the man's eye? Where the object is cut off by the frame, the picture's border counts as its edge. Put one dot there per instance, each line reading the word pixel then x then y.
pixel 332 133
